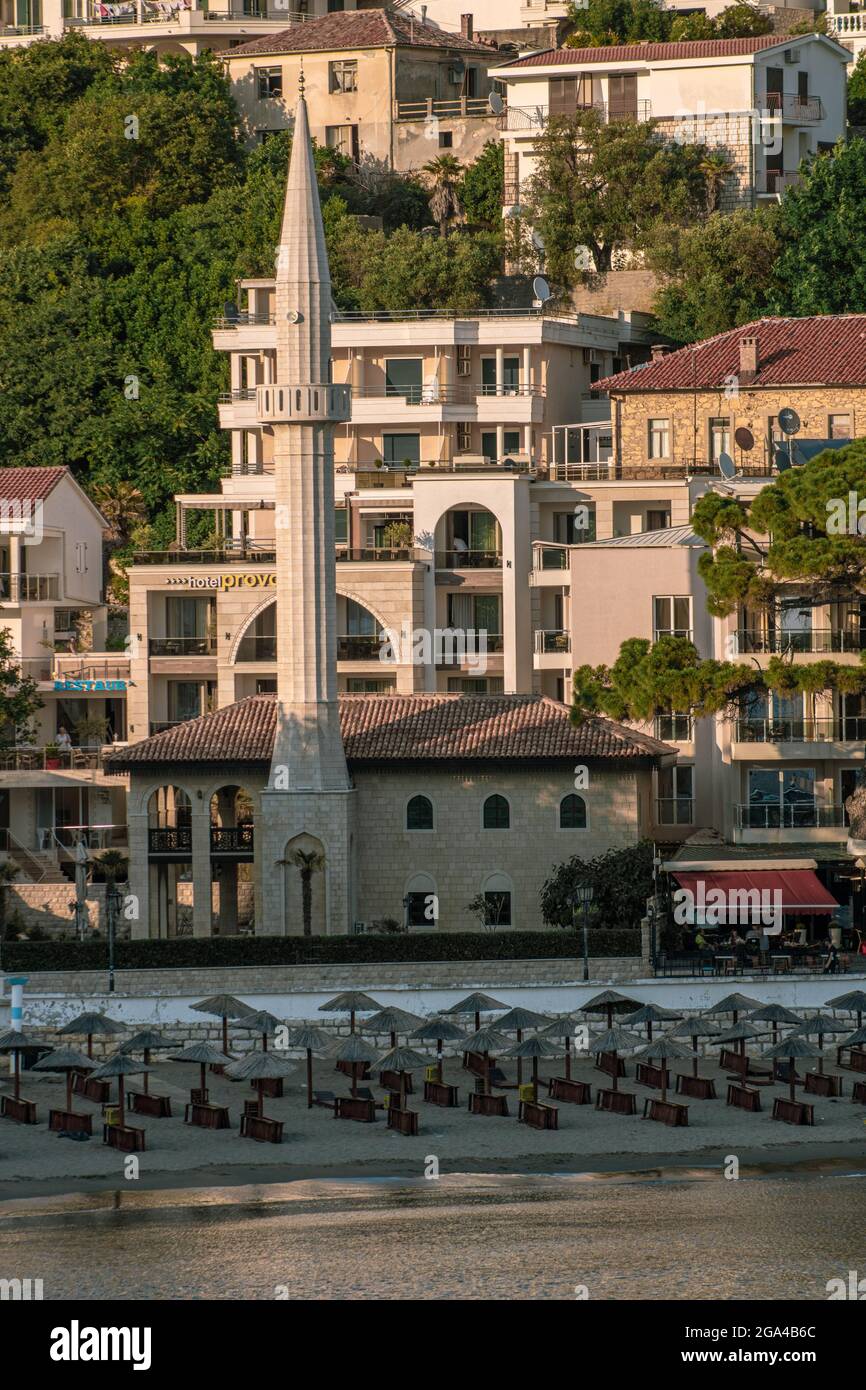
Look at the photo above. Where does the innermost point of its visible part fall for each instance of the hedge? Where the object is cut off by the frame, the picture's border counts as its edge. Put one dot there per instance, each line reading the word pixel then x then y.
pixel 33 956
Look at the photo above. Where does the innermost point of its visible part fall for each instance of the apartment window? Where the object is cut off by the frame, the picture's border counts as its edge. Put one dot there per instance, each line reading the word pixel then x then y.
pixel 475 685
pixel 569 94
pixel 343 139
pixel 572 812
pixel 341 525
pixel 497 900
pixel 446 139
pixel 720 438
pixel 672 616
pixel 510 382
pixel 673 728
pixel 401 448
pixel 475 613
pixel 780 799
pixel 659 439
pixel 657 520
pixel 404 376
pixel 464 438
pixel 266 685
pixel 361 685
pixel 575 527
pixel 496 813
pixel 464 359
pixel 419 813
pixel 269 83
pixel 838 426
pixel 343 75
pixel 184 700
pixel 675 795
pixel 421 901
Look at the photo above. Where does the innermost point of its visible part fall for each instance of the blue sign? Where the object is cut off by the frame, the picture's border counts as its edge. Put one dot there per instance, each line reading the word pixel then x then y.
pixel 91 687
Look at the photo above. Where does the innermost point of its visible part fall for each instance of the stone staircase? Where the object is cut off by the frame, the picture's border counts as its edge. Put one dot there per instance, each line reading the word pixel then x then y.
pixel 36 866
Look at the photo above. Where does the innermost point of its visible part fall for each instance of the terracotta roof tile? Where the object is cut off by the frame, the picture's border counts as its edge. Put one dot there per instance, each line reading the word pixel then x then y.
pixel 826 350
pixel 401 728
pixel 33 484
pixel 651 52
pixel 358 29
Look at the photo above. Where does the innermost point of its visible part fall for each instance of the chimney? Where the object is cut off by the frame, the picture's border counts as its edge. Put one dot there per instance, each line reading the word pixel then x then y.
pixel 466 26
pixel 659 350
pixel 748 360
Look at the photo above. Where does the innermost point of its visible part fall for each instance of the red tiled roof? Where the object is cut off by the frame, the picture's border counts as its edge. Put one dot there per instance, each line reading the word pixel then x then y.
pixel 826 350
pixel 31 484
pixel 651 52
pixel 401 728
pixel 358 29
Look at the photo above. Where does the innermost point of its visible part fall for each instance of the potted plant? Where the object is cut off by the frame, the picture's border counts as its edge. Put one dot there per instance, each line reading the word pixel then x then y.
pixel 52 756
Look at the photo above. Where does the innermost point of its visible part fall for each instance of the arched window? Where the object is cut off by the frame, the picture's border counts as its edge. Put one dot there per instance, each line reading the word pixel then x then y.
pixel 497 813
pixel 419 813
pixel 421 903
pixel 497 893
pixel 572 812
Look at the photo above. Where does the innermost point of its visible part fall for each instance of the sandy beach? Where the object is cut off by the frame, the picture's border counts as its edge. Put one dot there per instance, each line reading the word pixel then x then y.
pixel 35 1161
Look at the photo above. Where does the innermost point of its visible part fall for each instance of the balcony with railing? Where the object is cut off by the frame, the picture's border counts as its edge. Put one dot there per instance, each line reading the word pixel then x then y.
pixel 447 109
pixel 829 729
pixel 458 649
pixel 794 108
pixel 171 840
pixel 529 118
pixel 797 815
pixel 233 840
pixel 548 555
pixel 92 666
pixel 772 183
pixel 29 588
pixel 817 641
pixel 50 758
pixel 252 552
pixel 257 647
pixel 841 25
pixel 244 318
pixel 432 393
pixel 469 559
pixel 182 646
pixel 552 640
pixel 360 647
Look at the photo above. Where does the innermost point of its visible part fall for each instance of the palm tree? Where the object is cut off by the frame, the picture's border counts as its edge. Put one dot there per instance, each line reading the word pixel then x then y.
pixel 715 167
pixel 309 862
pixel 444 173
pixel 123 507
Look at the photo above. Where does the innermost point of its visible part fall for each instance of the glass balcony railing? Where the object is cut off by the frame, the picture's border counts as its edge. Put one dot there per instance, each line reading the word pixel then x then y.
pixel 842 729
pixel 799 815
pixel 674 810
pixel 182 646
pixel 553 640
pixel 817 640
pixel 469 559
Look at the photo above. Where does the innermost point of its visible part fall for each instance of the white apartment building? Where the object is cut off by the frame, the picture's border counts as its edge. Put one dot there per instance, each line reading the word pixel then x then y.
pixel 847 24
pixel 767 102
pixel 53 790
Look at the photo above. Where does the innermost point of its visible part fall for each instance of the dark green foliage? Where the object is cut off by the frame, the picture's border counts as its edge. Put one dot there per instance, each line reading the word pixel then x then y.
pixel 622 880
pixel 19 697
pixel 822 265
pixel 718 274
pixel 483 182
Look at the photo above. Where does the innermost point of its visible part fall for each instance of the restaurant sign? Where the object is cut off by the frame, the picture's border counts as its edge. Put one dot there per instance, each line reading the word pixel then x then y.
pixel 224 581
pixel 91 687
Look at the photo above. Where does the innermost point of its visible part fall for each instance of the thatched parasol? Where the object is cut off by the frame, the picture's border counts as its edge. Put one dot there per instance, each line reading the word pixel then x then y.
pixel 90 1025
pixel 439 1030
pixel 15 1043
pixel 145 1042
pixel 355 1049
pixel 775 1014
pixel 694 1028
pixel 820 1026
pixel 734 1004
pixel 403 1059
pixel 259 1067
pixel 392 1021
pixel 614 1041
pixel 119 1065
pixel 649 1014
pixel 854 1002
pixel 261 1022
pixel 206 1055
pixel 604 1003
pixel 661 1050
pixel 793 1047
pixel 563 1027
pixel 68 1060
pixel 311 1039
pixel 223 1006
pixel 534 1047
pixel 486 1041
pixel 351 1002
pixel 515 1021
pixel 476 1004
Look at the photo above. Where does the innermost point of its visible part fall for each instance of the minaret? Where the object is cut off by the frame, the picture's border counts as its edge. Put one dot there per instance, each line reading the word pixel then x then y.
pixel 308 790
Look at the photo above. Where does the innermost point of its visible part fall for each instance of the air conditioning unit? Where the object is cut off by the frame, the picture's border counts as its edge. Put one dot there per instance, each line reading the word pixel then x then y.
pixel 792 55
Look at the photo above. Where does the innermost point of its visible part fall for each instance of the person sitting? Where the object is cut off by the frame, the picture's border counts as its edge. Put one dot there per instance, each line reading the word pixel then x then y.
pixel 701 943
pixel 63 741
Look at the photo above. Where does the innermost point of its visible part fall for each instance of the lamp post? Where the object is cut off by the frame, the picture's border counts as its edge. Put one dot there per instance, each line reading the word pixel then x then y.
pixel 583 895
pixel 113 899
pixel 407 902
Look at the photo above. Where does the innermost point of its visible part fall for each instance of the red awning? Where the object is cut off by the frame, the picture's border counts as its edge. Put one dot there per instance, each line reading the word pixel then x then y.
pixel 801 889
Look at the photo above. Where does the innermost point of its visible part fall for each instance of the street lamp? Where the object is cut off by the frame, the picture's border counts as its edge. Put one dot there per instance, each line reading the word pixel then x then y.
pixel 113 900
pixel 583 895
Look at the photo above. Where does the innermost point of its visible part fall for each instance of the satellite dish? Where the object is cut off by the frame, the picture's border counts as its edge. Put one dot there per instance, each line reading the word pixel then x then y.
pixel 537 241
pixel 540 288
pixel 744 439
pixel 789 420
pixel 494 101
pixel 727 467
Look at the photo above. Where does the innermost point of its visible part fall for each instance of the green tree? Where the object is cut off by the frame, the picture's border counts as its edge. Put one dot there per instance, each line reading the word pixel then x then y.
pixel 822 264
pixel 618 21
pixel 717 275
pixel 482 186
pixel 445 175
pixel 19 696
pixel 621 880
pixel 307 862
pixel 742 22
pixel 691 27
pixel 857 92
pixel 608 185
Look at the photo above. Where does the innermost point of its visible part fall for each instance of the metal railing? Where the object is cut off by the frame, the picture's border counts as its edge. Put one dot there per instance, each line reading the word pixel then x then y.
pixel 182 646
pixel 552 640
pixel 359 647
pixel 87 758
pixel 247 554
pixel 374 554
pixel 243 318
pixel 799 815
pixel 536 117
pixel 174 839
pixel 67 837
pixel 397 315
pixel 232 839
pixel 29 588
pixel 449 108
pixel 846 729
pixel 672 632
pixel 817 640
pixel 435 394
pixel 792 107
pixel 549 556
pixel 469 559
pixel 15 30
pixel 81 668
pixel 464 648
pixel 269 12
pixel 246 393
pixel 674 810
pixel 253 647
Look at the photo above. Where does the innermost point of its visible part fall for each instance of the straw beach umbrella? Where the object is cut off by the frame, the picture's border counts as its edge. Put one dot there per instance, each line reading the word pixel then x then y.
pixel 661 1050
pixel 854 1002
pixel 262 1022
pixel 820 1026
pixel 145 1042
pixel 536 1046
pixel 355 1049
pixel 351 1002
pixel 775 1014
pixel 791 1048
pixel 223 1006
pixel 486 1041
pixel 563 1028
pixel 392 1021
pixel 516 1021
pixel 614 1041
pixel 476 1004
pixel 259 1067
pixel 311 1039
pixel 68 1060
pixel 734 1004
pixel 119 1066
pixel 401 1060
pixel 14 1042
pixel 438 1030
pixel 604 1003
pixel 206 1055
pixel 649 1014
pixel 90 1025
pixel 694 1028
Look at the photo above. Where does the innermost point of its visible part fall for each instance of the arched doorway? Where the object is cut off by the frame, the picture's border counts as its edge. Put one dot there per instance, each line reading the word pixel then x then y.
pixel 232 810
pixel 169 828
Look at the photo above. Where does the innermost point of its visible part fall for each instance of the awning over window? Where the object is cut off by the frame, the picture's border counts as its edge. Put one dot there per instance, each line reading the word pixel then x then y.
pixel 743 896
